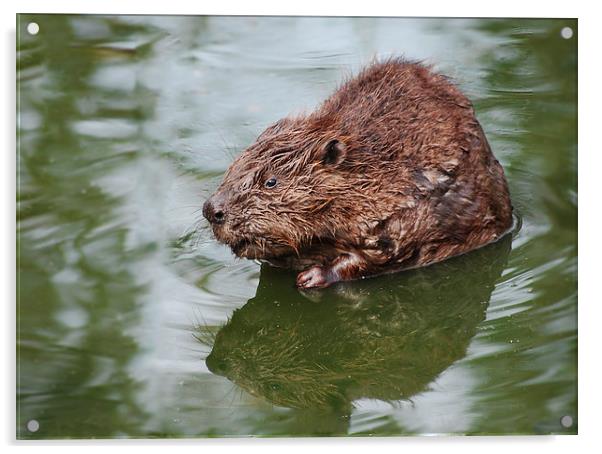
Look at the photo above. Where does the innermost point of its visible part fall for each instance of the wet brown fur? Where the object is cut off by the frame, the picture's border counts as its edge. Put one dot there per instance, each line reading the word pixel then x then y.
pixel 393 171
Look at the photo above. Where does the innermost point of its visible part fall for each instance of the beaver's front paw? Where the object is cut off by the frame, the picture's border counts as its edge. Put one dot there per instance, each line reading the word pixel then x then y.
pixel 314 277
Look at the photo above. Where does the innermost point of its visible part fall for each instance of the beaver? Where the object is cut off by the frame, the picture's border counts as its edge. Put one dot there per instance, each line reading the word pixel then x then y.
pixel 391 172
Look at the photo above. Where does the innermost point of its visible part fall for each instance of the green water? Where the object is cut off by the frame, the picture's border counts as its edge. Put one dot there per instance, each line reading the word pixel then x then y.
pixel 134 322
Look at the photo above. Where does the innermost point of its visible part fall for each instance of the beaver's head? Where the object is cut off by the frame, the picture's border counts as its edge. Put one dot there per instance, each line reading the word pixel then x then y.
pixel 283 192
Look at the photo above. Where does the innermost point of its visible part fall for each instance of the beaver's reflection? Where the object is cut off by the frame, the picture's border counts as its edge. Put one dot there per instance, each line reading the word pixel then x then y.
pixel 385 338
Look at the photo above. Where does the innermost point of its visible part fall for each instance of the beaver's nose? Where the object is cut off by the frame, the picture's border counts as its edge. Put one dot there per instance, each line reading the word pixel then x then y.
pixel 216 365
pixel 214 210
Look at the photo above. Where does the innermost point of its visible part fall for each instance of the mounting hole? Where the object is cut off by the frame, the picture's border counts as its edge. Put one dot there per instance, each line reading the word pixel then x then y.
pixel 566 32
pixel 33 28
pixel 566 421
pixel 33 425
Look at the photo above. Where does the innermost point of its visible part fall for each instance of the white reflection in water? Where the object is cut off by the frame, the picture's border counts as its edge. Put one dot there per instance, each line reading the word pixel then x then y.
pixel 444 408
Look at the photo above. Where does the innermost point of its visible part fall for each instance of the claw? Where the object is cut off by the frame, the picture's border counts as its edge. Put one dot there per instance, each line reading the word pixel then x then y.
pixel 314 277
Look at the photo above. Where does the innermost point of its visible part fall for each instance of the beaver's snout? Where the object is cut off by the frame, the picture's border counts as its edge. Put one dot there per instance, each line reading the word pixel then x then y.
pixel 214 209
pixel 216 365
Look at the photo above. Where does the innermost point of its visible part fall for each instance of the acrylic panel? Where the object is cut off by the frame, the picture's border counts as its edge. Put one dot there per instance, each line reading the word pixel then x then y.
pixel 134 322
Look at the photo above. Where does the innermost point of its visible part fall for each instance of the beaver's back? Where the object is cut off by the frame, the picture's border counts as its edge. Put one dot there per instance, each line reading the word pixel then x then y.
pixel 403 109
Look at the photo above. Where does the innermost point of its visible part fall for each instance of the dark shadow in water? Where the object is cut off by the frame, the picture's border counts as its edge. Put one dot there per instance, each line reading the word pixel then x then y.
pixel 385 338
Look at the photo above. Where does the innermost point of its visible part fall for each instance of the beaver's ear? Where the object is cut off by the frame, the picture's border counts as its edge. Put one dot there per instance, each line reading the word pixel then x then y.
pixel 333 152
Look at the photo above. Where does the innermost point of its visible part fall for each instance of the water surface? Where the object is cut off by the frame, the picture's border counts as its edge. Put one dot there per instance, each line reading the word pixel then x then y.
pixel 134 322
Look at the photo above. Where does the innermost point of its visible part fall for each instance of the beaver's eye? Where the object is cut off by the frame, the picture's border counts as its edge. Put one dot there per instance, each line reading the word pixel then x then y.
pixel 271 182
